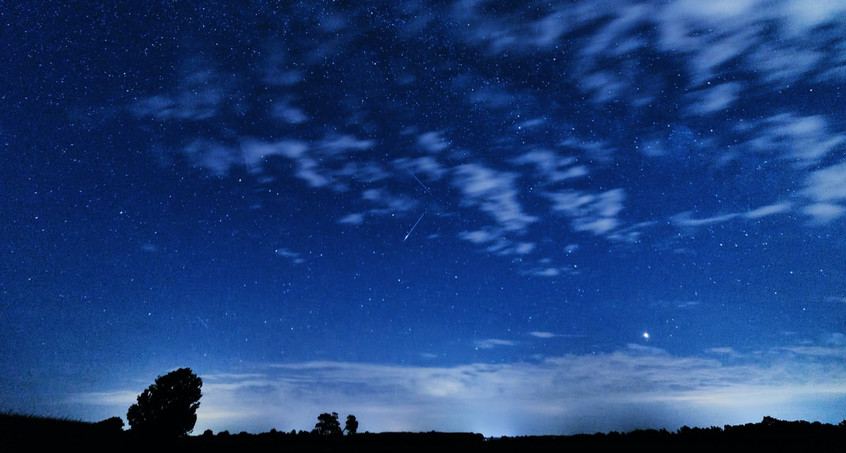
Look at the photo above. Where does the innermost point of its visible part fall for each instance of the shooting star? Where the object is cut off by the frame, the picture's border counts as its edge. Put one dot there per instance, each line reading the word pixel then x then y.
pixel 413 227
pixel 202 322
pixel 419 182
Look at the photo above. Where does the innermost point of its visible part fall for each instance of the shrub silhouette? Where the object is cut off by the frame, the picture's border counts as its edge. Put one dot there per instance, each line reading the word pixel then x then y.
pixel 168 407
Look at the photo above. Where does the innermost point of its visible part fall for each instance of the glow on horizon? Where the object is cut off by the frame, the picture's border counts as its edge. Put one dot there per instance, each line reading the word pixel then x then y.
pixel 635 388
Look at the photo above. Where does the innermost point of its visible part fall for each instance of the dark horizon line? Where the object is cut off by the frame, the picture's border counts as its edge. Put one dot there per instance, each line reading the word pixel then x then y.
pixel 766 420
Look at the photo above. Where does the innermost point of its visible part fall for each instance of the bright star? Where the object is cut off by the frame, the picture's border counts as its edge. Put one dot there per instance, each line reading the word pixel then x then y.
pixel 645 335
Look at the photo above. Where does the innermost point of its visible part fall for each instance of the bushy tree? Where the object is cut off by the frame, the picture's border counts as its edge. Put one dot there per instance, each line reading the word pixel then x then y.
pixel 167 408
pixel 328 425
pixel 351 426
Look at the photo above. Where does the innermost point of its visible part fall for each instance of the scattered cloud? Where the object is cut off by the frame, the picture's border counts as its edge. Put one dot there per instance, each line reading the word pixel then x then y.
pixel 715 99
pixel 294 257
pixel 433 142
pixel 684 219
pixel 710 41
pixel 595 213
pixel 493 192
pixel 823 213
pixel 764 211
pixel 355 218
pixel 554 167
pixel 545 335
pixel 388 202
pixel 566 394
pixel 425 167
pixel 493 343
pixel 827 184
pixel 289 113
pixel 827 188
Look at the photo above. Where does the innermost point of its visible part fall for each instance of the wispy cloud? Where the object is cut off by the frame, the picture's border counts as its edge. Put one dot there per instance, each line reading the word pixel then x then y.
pixel 554 167
pixel 827 184
pixel 294 257
pixel 491 343
pixel 801 139
pixel 823 213
pixel 827 188
pixel 764 211
pixel 685 219
pixel 355 218
pixel 595 213
pixel 538 334
pixel 433 142
pixel 387 202
pixel 715 98
pixel 493 240
pixel 644 387
pixel 494 193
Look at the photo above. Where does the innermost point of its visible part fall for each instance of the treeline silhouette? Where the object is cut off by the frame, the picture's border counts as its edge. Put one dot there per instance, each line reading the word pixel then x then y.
pixel 29 433
pixel 165 413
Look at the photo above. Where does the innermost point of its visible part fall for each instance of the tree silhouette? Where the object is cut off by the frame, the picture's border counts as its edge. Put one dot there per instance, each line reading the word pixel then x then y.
pixel 351 426
pixel 328 425
pixel 168 407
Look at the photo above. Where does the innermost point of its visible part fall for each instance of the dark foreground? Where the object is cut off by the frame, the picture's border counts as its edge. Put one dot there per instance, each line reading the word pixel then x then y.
pixel 22 433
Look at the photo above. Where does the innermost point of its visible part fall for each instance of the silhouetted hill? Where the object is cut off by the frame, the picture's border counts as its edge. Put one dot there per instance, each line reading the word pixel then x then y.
pixel 27 433
pixel 19 431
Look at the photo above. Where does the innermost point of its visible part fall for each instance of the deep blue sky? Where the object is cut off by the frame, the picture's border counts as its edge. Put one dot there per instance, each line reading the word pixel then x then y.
pixel 501 217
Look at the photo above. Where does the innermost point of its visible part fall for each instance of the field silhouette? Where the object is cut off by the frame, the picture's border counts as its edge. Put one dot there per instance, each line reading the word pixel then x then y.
pixel 29 433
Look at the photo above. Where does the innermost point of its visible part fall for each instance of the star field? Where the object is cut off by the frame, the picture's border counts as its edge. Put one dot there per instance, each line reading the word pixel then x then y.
pixel 507 218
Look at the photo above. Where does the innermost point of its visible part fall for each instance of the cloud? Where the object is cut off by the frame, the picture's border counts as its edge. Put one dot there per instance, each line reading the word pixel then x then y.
pixel 433 142
pixel 387 202
pixel 288 113
pixel 493 343
pixel 554 167
pixel 635 387
pixel 479 236
pixel 544 335
pixel 494 241
pixel 199 97
pixel 255 152
pixel 823 213
pixel 215 157
pixel 802 16
pixel 343 144
pixel 494 193
pixel 544 269
pixel 294 257
pixel 764 211
pixel 595 213
pixel 424 167
pixel 715 99
pixel 355 218
pixel 827 184
pixel 685 220
pixel 827 188
pixel 802 139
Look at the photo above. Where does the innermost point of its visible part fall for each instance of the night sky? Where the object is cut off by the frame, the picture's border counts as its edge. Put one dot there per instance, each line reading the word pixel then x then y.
pixel 501 217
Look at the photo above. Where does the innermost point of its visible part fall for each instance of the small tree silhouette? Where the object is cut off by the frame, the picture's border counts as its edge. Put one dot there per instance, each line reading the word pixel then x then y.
pixel 167 408
pixel 328 425
pixel 351 426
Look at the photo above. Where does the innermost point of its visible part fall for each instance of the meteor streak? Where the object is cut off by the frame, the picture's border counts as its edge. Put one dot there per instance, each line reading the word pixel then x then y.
pixel 413 227
pixel 419 182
